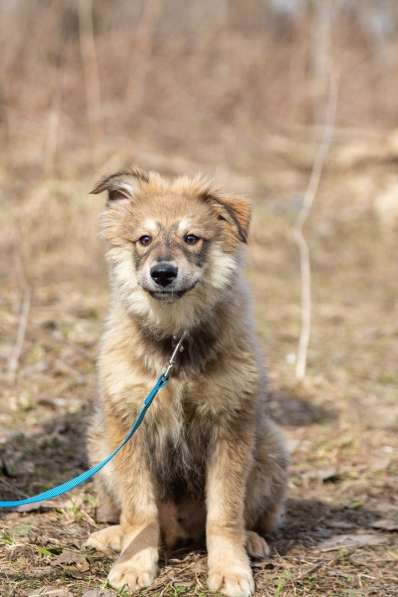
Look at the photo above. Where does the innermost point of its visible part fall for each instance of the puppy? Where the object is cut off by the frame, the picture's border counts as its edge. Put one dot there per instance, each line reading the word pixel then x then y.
pixel 207 460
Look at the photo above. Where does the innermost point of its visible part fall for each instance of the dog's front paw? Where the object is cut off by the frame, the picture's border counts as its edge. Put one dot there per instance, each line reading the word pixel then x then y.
pixel 232 581
pixel 136 573
pixel 106 540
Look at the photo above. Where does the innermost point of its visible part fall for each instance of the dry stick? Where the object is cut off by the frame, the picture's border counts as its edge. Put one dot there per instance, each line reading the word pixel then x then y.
pixel 145 38
pixel 298 232
pixel 13 361
pixel 51 142
pixel 323 18
pixel 90 66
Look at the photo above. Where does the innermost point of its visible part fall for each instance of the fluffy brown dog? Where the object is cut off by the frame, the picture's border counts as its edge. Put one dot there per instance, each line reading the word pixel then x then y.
pixel 207 459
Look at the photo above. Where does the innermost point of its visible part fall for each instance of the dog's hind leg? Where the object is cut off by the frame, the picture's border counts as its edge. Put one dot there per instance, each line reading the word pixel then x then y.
pixel 106 540
pixel 171 530
pixel 109 539
pixel 182 521
pixel 266 487
pixel 107 508
pixel 256 546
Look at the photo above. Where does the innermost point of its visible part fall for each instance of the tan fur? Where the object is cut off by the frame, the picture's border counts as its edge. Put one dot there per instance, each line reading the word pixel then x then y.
pixel 207 459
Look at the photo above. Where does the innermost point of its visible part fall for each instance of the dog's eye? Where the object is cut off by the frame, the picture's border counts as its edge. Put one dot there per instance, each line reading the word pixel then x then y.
pixel 145 240
pixel 191 239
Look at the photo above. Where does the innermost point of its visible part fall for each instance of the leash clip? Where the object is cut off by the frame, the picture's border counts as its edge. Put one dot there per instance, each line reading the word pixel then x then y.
pixel 179 348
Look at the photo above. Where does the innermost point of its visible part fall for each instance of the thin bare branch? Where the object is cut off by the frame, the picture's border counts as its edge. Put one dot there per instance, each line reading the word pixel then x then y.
pixel 13 361
pixel 90 66
pixel 298 230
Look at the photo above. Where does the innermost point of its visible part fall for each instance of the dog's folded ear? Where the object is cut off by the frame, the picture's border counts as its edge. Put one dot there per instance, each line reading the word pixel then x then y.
pixel 231 209
pixel 121 185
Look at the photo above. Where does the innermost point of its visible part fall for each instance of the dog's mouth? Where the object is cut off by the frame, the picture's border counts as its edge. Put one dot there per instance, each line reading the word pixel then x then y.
pixel 169 296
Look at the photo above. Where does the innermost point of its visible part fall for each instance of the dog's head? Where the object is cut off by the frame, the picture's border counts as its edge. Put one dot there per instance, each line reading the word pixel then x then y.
pixel 174 246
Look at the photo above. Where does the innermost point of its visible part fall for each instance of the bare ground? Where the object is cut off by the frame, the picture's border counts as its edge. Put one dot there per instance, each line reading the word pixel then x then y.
pixel 340 536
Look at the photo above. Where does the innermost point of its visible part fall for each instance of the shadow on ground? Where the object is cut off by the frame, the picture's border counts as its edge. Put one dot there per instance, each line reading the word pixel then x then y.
pixel 293 410
pixel 310 522
pixel 32 463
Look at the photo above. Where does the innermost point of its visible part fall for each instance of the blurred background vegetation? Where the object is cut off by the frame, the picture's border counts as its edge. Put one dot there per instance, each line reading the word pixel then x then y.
pixel 235 89
pixel 187 73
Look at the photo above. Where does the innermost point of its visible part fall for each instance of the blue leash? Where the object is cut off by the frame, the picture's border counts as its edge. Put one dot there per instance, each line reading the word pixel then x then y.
pixel 83 477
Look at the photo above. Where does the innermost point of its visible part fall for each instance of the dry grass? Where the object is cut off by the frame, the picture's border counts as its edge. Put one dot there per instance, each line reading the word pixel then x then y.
pixel 217 73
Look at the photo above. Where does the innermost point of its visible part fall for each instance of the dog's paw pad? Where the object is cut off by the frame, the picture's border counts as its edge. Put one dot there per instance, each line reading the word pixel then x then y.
pixel 256 546
pixel 106 540
pixel 129 574
pixel 233 583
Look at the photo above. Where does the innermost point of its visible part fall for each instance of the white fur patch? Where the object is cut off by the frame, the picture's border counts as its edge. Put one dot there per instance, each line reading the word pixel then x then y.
pixel 184 225
pixel 222 267
pixel 151 225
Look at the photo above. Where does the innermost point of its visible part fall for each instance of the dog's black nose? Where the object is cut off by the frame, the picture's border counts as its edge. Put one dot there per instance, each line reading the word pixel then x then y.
pixel 164 273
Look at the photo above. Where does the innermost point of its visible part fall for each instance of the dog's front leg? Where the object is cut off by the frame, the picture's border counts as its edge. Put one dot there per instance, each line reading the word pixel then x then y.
pixel 139 523
pixel 228 466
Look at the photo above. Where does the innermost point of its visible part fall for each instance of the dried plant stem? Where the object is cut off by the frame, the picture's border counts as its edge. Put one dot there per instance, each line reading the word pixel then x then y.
pixel 90 66
pixel 322 30
pixel 13 361
pixel 298 230
pixel 145 37
pixel 51 143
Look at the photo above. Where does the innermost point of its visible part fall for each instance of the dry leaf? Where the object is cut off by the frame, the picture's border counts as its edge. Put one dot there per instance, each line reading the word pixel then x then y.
pixel 340 524
pixel 350 541
pixel 50 592
pixel 98 593
pixel 68 558
pixel 385 524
